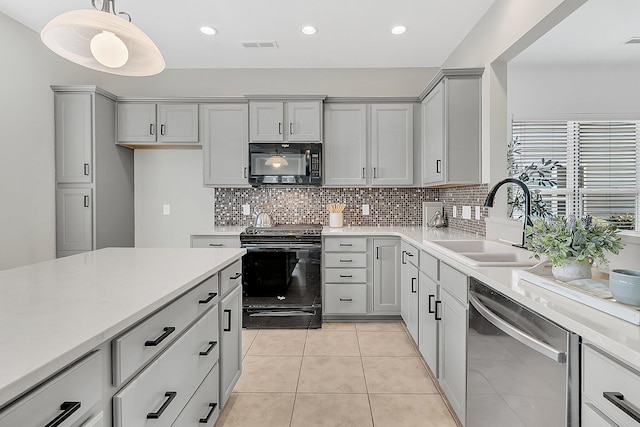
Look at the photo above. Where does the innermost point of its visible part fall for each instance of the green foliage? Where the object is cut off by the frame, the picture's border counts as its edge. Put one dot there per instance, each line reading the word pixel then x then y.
pixel 585 239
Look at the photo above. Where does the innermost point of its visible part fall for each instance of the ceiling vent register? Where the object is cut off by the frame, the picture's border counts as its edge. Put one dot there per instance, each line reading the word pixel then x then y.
pixel 260 44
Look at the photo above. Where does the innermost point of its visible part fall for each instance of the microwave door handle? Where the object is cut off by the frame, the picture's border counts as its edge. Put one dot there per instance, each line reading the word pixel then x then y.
pixel 308 157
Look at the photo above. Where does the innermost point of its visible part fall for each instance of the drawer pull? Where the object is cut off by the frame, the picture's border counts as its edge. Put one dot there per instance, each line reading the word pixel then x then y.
pixel 413 283
pixel 228 328
pixel 216 245
pixel 211 411
pixel 346 276
pixel 167 331
pixel 237 276
pixel 436 311
pixel 211 296
pixel 67 408
pixel 618 400
pixel 346 260
pixel 212 345
pixel 431 298
pixel 170 395
pixel 346 244
pixel 346 299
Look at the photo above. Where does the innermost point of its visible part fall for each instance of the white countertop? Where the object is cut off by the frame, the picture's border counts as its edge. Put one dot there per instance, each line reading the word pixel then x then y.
pixel 616 336
pixel 55 311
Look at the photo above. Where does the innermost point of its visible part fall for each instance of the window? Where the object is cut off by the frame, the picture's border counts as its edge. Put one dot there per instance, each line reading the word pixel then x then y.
pixel 597 171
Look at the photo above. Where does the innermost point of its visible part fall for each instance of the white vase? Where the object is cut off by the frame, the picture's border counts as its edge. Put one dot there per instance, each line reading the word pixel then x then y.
pixel 572 270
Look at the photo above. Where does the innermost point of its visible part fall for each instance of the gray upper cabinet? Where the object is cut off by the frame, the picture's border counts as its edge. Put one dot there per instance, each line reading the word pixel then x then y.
pixel 368 145
pixel 74 135
pixel 225 138
pixel 451 129
pixel 149 123
pixel 301 123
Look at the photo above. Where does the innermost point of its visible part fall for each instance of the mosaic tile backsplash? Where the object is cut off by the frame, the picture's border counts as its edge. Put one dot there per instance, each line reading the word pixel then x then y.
pixel 388 206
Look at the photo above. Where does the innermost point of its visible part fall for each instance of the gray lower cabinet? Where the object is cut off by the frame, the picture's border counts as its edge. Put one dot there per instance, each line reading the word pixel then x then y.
pixel 204 407
pixel 230 341
pixel 428 322
pixel 94 176
pixel 386 275
pixel 410 289
pixel 225 142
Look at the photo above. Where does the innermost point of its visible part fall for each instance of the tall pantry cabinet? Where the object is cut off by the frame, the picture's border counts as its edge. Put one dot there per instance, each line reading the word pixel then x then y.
pixel 94 176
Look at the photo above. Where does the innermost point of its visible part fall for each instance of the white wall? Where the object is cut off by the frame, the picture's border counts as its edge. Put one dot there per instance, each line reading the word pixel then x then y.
pixel 27 181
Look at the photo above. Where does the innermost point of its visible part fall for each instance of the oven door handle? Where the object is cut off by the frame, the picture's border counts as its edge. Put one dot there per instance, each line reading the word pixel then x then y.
pixel 524 338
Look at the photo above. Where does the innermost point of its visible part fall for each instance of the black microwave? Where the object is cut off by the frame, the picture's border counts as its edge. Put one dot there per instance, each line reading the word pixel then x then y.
pixel 285 164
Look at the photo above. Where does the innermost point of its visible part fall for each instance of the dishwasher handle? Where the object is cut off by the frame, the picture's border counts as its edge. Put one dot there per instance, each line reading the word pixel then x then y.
pixel 524 338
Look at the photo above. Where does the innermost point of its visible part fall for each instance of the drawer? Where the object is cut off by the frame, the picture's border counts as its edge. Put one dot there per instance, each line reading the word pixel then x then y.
pixel 230 277
pixel 456 283
pixel 204 407
pixel 345 299
pixel 429 265
pixel 165 386
pixel 345 275
pixel 602 374
pixel 345 244
pixel 74 391
pixel 338 259
pixel 215 241
pixel 410 254
pixel 144 341
pixel 591 417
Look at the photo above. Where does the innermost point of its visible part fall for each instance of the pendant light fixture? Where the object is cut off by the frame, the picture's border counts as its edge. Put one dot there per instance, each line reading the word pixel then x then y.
pixel 276 161
pixel 101 40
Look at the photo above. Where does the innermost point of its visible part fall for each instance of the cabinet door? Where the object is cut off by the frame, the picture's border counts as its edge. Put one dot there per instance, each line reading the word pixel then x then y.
pixel 74 219
pixel 345 144
pixel 137 122
pixel 392 144
pixel 304 121
pixel 409 278
pixel 433 136
pixel 225 139
pixel 230 342
pixel 386 276
pixel 74 137
pixel 453 351
pixel 178 122
pixel 428 328
pixel 267 121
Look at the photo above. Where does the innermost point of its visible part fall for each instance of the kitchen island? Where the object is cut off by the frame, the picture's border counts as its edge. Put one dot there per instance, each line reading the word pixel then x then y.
pixel 56 312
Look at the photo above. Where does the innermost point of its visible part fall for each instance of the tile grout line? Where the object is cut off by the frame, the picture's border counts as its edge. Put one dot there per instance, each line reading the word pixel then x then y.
pixel 295 395
pixel 366 386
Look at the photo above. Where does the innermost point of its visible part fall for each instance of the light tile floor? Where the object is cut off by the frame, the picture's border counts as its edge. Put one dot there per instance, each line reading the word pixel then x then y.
pixel 345 374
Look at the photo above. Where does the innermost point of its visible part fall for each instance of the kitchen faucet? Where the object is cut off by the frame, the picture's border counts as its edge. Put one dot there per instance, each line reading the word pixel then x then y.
pixel 527 202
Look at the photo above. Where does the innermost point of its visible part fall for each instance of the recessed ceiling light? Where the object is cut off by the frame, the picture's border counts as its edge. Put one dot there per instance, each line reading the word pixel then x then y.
pixel 210 31
pixel 308 30
pixel 399 29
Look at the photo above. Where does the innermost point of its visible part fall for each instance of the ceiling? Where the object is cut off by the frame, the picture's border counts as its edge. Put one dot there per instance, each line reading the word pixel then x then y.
pixel 594 34
pixel 351 33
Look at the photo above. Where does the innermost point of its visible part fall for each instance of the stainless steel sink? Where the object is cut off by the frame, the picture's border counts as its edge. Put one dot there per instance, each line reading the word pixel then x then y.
pixel 486 253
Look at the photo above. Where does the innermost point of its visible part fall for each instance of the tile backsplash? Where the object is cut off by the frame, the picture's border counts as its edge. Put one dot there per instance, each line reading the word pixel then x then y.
pixel 387 206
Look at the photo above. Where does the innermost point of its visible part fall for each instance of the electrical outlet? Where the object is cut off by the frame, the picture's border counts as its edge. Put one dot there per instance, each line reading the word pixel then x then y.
pixel 246 209
pixel 466 212
pixel 365 209
pixel 166 209
pixel 455 211
pixel 477 212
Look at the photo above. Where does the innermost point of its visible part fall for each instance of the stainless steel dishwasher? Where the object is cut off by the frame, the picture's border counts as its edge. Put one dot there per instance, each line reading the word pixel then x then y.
pixel 522 369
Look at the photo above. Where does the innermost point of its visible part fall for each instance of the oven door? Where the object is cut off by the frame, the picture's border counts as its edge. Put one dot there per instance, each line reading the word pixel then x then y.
pixel 284 164
pixel 281 285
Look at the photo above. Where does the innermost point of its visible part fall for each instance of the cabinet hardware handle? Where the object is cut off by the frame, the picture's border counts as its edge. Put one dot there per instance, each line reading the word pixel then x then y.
pixel 151 129
pixel 228 329
pixel 216 245
pixel 237 276
pixel 86 169
pixel 211 296
pixel 375 175
pixel 346 299
pixel 212 345
pixel 206 419
pixel 167 331
pixel 377 252
pixel 431 298
pixel 162 130
pixel 279 128
pixel 346 276
pixel 403 254
pixel 86 201
pixel 346 244
pixel 438 317
pixel 618 400
pixel 170 395
pixel 413 282
pixel 290 128
pixel 363 173
pixel 438 163
pixel 67 408
pixel 346 260
pixel 245 171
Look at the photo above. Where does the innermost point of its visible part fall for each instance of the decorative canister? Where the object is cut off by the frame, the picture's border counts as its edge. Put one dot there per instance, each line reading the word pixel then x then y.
pixel 335 219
